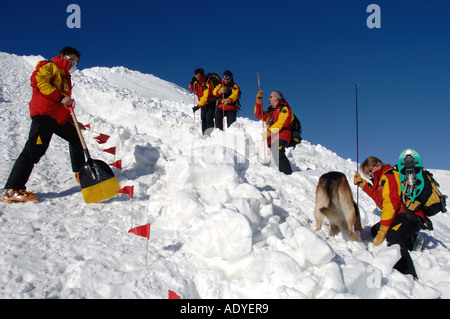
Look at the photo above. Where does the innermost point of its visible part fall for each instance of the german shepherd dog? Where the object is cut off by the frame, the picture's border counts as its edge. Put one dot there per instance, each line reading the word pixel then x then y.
pixel 334 199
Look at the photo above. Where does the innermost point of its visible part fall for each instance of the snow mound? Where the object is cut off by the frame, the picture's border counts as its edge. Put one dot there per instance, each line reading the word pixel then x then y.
pixel 223 224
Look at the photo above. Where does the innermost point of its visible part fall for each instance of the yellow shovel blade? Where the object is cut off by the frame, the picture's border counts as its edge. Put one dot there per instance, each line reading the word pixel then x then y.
pixel 101 191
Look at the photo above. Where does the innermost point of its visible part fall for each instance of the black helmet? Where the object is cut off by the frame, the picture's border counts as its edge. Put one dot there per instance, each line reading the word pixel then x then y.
pixel 199 70
pixel 228 74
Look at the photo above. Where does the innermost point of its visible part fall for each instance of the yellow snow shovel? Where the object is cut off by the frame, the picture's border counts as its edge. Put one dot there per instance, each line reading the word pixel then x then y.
pixel 97 179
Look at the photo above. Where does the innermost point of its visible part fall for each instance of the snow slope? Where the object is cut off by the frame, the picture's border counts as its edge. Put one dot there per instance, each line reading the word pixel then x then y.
pixel 223 225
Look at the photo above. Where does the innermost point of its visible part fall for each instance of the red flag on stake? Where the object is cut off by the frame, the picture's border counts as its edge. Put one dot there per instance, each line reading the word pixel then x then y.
pixel 117 164
pixel 127 190
pixel 102 138
pixel 111 150
pixel 143 231
pixel 87 126
pixel 173 295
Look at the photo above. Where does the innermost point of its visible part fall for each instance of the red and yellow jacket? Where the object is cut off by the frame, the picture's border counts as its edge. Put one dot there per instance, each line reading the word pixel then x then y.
pixel 51 82
pixel 278 121
pixel 386 193
pixel 203 91
pixel 229 100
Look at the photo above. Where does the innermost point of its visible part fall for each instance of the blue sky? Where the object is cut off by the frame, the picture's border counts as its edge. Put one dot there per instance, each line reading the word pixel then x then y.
pixel 312 51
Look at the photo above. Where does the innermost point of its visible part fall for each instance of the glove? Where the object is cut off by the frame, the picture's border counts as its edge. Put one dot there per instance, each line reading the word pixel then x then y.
pixel 380 235
pixel 264 136
pixel 222 90
pixel 194 80
pixel 358 180
pixel 226 101
pixel 67 101
pixel 195 108
pixel 259 97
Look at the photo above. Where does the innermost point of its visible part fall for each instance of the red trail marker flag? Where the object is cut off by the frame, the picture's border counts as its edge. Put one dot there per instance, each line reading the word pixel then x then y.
pixel 173 295
pixel 143 231
pixel 111 150
pixel 117 164
pixel 102 138
pixel 129 190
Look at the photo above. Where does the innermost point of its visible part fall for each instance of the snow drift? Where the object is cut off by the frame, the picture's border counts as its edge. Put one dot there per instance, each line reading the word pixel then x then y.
pixel 223 224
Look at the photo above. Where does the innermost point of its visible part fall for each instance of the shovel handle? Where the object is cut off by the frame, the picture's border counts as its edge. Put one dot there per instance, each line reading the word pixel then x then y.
pixel 77 126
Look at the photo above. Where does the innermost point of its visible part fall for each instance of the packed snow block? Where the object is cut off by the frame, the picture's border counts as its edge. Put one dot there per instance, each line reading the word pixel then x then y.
pixel 184 207
pixel 250 209
pixel 314 249
pixel 422 291
pixel 258 271
pixel 386 258
pixel 362 279
pixel 207 166
pixel 331 277
pixel 225 234
pixel 221 155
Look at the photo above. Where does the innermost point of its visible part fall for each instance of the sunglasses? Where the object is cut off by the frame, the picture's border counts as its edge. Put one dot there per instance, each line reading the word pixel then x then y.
pixel 372 169
pixel 227 77
pixel 72 60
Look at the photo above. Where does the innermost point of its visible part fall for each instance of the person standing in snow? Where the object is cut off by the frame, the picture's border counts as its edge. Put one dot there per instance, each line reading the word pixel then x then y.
pixel 206 100
pixel 394 225
pixel 52 90
pixel 278 120
pixel 228 94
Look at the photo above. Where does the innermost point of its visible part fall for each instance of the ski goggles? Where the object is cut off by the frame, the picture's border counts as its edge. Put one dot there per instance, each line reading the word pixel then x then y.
pixel 72 60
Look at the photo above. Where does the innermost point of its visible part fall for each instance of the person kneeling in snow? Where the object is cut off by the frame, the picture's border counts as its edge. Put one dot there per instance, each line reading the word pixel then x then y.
pixel 394 225
pixel 52 89
pixel 278 120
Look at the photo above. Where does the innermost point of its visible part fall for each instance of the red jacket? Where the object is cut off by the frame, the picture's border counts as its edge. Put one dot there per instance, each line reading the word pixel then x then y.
pixel 51 82
pixel 278 121
pixel 232 96
pixel 386 193
pixel 204 91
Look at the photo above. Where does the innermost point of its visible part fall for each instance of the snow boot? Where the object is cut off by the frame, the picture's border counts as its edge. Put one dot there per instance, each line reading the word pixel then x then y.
pixel 21 195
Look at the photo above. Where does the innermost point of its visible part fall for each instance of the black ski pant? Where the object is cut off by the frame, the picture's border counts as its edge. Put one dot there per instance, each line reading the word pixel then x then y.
pixel 279 155
pixel 404 233
pixel 41 131
pixel 230 114
pixel 207 116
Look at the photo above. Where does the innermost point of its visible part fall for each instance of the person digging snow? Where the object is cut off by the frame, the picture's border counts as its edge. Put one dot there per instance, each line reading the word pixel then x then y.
pixel 50 114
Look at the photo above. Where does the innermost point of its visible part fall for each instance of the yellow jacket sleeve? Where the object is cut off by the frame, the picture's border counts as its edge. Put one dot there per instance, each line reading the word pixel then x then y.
pixel 391 200
pixel 206 95
pixel 284 118
pixel 234 94
pixel 44 77
pixel 216 90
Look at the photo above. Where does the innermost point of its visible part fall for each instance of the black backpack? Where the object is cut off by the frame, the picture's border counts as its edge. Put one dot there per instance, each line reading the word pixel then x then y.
pixel 296 130
pixel 214 79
